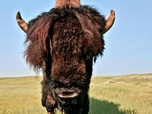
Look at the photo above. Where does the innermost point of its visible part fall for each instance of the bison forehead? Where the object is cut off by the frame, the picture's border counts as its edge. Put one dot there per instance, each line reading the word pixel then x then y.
pixel 68 36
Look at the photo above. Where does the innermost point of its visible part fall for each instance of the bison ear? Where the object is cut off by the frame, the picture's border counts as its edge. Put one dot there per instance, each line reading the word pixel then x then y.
pixel 39 29
pixel 92 31
pixel 38 40
pixel 88 26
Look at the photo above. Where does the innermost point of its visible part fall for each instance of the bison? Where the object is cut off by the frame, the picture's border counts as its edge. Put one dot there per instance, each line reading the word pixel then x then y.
pixel 64 42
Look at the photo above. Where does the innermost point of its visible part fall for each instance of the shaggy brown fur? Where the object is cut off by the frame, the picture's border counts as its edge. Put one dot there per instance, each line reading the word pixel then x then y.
pixel 63 43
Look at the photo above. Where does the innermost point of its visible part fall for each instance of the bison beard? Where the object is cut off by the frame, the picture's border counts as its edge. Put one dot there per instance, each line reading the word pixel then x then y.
pixel 63 43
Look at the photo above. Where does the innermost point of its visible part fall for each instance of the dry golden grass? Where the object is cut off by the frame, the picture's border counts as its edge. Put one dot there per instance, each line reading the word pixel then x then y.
pixel 131 94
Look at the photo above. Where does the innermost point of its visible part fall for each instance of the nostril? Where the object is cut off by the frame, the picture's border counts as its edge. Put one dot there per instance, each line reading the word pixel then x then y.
pixel 67 93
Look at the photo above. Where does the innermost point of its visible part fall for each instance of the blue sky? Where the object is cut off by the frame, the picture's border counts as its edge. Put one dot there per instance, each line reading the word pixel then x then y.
pixel 128 43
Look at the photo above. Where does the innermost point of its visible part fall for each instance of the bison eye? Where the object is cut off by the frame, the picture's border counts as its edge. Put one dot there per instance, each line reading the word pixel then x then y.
pixel 89 55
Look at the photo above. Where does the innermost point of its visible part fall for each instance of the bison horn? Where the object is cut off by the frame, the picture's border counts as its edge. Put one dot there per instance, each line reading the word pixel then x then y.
pixel 110 21
pixel 22 24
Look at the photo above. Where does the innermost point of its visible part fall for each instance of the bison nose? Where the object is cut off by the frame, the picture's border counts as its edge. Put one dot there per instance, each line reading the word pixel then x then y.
pixel 68 94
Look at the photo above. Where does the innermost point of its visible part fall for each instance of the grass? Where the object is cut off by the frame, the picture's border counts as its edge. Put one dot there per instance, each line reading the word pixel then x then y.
pixel 131 94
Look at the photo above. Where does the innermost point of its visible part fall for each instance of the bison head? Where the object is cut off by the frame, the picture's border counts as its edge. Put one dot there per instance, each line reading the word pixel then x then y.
pixel 63 43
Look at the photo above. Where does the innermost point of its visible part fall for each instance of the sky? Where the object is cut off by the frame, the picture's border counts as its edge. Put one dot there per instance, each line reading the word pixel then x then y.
pixel 128 48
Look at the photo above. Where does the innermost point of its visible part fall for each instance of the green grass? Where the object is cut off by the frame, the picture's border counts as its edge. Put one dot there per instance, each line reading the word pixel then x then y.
pixel 131 94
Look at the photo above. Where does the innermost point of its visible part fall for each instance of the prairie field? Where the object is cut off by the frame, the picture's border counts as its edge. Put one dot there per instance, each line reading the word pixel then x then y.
pixel 130 94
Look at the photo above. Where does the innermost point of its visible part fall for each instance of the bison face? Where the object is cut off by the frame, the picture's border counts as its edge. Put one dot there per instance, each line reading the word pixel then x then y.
pixel 71 70
pixel 70 75
pixel 72 52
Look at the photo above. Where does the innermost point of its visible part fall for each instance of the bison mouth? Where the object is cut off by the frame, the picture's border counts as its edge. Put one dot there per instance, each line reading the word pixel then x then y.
pixel 68 96
pixel 69 100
